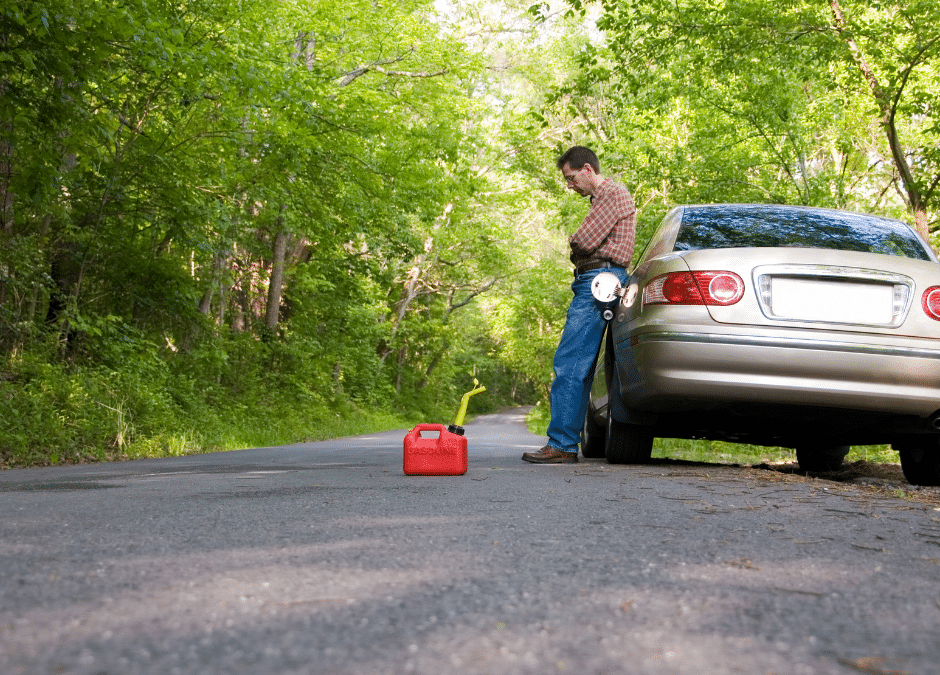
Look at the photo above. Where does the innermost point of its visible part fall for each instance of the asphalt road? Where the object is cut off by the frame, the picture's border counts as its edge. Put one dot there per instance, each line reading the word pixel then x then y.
pixel 326 558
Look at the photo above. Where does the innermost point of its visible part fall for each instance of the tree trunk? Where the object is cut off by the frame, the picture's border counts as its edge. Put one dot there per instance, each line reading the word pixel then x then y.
pixel 435 361
pixel 219 261
pixel 205 304
pixel 66 271
pixel 886 107
pixel 276 284
pixel 239 308
pixel 6 158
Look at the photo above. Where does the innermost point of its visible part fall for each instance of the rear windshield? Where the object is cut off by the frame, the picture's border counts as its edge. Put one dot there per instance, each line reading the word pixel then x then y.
pixel 770 226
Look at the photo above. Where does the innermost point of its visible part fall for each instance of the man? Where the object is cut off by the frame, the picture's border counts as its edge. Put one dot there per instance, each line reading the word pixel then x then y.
pixel 603 243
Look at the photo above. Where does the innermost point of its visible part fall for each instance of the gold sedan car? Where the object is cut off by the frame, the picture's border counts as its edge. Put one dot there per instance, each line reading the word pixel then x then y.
pixel 805 328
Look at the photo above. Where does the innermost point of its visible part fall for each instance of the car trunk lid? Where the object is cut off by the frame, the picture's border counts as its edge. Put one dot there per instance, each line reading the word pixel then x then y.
pixel 824 289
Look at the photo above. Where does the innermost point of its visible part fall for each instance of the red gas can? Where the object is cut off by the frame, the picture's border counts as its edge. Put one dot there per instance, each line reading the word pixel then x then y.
pixel 445 455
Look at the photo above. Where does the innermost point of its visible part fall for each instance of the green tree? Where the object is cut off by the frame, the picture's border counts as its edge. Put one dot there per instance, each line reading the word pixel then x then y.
pixel 829 97
pixel 257 198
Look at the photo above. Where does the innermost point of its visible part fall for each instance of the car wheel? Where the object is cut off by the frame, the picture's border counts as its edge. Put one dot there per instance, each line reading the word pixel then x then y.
pixel 592 438
pixel 821 457
pixel 921 464
pixel 627 443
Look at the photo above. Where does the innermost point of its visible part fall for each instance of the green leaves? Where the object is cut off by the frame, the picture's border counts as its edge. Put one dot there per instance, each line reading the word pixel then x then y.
pixel 154 154
pixel 779 101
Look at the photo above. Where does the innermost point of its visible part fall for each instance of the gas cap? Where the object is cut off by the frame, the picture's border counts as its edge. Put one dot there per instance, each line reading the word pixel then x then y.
pixel 605 287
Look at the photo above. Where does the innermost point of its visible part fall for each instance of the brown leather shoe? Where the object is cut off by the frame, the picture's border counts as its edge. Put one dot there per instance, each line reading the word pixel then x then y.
pixel 550 455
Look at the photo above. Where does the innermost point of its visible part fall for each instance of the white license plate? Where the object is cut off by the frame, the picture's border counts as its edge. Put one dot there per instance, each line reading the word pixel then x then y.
pixel 835 301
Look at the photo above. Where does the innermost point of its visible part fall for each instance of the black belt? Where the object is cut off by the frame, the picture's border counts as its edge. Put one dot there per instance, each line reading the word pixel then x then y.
pixel 587 267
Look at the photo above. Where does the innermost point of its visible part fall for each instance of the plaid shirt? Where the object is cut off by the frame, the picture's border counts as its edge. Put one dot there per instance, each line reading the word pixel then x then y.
pixel 609 229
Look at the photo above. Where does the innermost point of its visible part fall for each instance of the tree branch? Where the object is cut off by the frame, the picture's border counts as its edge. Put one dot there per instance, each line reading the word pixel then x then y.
pixel 376 66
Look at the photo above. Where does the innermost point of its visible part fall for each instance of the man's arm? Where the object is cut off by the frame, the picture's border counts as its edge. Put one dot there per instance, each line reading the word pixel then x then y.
pixel 606 212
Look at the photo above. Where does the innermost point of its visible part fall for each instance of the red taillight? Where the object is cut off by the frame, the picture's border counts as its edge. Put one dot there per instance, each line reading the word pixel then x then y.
pixel 720 288
pixel 930 301
pixel 694 288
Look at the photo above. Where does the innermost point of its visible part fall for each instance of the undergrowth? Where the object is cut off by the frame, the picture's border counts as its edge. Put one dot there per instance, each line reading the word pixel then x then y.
pixel 142 406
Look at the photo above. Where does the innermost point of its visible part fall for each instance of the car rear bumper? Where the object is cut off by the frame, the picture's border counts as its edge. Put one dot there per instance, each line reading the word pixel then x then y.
pixel 676 369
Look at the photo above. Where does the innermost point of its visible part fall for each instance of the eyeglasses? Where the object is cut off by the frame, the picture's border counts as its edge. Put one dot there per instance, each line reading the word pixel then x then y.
pixel 569 177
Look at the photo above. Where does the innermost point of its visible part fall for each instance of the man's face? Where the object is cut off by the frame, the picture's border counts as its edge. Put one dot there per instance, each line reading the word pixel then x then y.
pixel 578 179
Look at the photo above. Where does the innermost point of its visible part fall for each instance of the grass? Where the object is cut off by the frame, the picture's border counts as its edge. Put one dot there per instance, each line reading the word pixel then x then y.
pixel 720 452
pixel 209 432
pixel 316 428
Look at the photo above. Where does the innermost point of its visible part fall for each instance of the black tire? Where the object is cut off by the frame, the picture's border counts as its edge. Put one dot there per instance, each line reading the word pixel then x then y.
pixel 821 458
pixel 921 463
pixel 592 438
pixel 627 443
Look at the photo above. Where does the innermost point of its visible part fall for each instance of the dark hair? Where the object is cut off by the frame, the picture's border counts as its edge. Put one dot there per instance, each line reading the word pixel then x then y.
pixel 577 157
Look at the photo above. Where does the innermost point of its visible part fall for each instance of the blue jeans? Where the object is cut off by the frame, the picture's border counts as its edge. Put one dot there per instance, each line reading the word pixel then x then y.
pixel 575 359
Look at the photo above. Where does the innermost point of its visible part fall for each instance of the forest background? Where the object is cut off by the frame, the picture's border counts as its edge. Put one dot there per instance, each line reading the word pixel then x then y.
pixel 233 223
